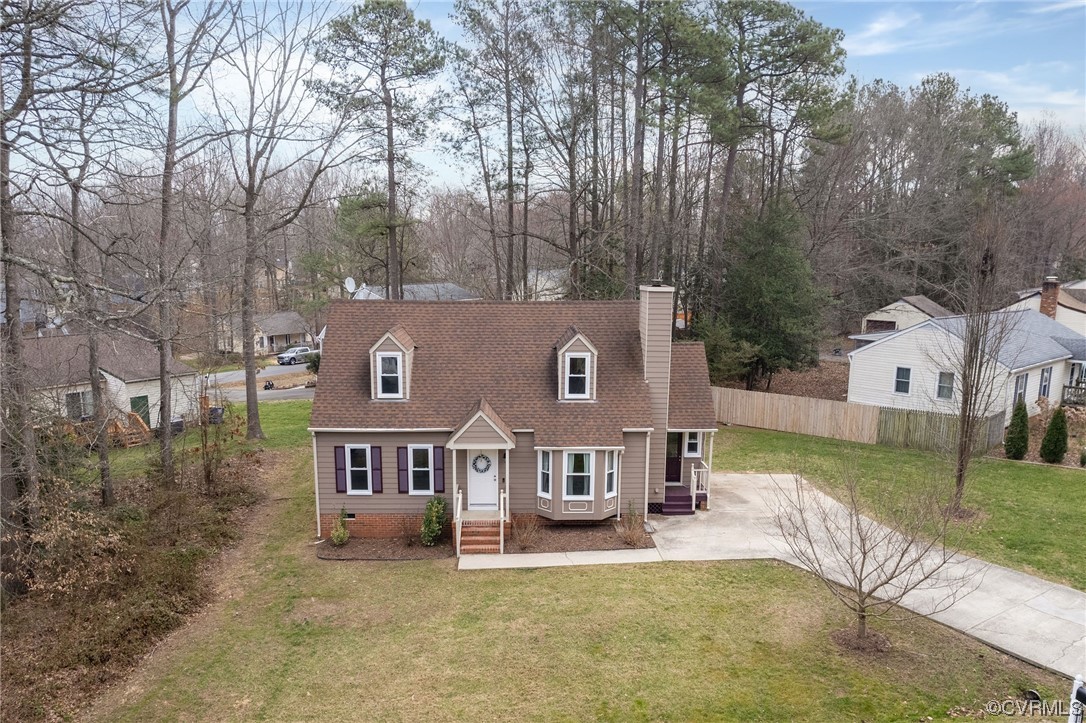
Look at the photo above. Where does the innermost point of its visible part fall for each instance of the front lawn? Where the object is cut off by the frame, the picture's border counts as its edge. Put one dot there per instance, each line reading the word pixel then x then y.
pixel 1030 516
pixel 307 639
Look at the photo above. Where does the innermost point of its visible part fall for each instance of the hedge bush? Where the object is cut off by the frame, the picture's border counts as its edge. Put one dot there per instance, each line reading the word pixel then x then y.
pixel 1016 443
pixel 1054 443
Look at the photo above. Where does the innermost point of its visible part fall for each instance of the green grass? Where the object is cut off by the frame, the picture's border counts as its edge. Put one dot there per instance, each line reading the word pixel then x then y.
pixel 1030 516
pixel 306 639
pixel 284 424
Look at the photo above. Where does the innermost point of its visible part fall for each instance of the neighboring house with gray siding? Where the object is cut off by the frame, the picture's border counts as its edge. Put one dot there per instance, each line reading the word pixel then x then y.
pixel 569 411
pixel 272 333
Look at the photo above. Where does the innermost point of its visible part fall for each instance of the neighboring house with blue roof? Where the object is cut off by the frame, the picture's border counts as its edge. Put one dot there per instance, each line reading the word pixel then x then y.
pixel 1034 357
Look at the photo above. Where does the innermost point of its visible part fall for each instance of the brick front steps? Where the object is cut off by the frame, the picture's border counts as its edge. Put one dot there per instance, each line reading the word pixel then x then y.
pixel 478 537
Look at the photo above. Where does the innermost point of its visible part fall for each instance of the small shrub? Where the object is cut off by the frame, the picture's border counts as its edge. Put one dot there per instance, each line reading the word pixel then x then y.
pixel 314 365
pixel 1082 458
pixel 631 528
pixel 1016 443
pixel 433 521
pixel 1054 443
pixel 408 532
pixel 340 534
pixel 527 530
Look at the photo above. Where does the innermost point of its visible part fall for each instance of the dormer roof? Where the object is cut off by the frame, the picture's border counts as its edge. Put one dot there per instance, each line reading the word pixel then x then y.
pixel 570 335
pixel 399 335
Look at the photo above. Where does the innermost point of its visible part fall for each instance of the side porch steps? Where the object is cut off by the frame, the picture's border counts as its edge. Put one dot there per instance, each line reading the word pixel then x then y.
pixel 677 501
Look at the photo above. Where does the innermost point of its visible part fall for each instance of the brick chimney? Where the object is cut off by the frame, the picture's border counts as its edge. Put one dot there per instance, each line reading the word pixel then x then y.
pixel 1050 291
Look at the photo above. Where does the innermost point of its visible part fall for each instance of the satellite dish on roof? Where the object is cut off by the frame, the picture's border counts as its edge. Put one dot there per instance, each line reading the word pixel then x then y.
pixel 350 285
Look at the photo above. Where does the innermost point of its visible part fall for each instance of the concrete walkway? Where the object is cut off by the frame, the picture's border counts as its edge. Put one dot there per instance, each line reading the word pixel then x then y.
pixel 1032 619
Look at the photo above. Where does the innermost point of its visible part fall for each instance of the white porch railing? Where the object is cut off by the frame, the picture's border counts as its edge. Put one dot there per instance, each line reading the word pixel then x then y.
pixel 700 484
pixel 503 515
pixel 458 504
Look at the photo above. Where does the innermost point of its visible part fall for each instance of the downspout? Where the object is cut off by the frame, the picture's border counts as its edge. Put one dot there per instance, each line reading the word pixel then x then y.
pixel 618 479
pixel 316 488
pixel 648 450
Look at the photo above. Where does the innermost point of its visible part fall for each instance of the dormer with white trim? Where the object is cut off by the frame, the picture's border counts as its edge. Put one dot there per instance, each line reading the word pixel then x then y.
pixel 578 362
pixel 390 365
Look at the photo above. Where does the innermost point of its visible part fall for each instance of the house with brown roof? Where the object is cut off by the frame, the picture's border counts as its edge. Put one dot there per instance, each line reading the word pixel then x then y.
pixel 1066 302
pixel 272 333
pixel 566 411
pixel 58 372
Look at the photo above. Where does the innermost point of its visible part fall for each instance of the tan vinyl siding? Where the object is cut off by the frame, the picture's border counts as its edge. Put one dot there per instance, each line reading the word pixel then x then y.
pixel 390 500
pixel 480 434
pixel 901 313
pixel 632 473
pixel 522 478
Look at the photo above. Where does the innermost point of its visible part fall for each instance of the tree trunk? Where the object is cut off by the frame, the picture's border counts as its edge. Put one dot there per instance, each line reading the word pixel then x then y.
pixel 253 429
pixel 634 235
pixel 395 282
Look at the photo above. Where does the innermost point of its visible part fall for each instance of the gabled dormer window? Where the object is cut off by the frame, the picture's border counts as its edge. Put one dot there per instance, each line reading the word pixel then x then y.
pixel 389 375
pixel 578 375
pixel 390 365
pixel 577 360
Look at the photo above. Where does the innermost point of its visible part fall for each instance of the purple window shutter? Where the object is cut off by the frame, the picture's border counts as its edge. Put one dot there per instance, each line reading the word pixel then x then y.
pixel 401 463
pixel 439 469
pixel 375 469
pixel 341 469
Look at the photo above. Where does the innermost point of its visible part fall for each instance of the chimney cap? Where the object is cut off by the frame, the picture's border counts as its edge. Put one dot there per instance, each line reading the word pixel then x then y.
pixel 1051 280
pixel 657 282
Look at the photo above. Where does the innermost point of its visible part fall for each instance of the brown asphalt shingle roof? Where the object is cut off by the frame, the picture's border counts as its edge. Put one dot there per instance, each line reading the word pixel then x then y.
pixel 690 401
pixel 62 360
pixel 503 351
pixel 928 306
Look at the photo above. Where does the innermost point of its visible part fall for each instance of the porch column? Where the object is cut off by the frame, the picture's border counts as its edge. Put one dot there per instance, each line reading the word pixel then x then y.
pixel 709 471
pixel 455 486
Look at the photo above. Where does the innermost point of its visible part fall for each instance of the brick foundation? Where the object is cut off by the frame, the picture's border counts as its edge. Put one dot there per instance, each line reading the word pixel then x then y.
pixel 379 525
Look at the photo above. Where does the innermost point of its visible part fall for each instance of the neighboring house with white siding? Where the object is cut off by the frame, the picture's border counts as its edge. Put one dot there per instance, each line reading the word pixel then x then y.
pixel 1066 303
pixel 59 375
pixel 557 411
pixel 272 333
pixel 918 367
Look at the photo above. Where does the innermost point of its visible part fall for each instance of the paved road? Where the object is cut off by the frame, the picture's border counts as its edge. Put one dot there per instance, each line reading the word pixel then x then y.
pixel 237 394
pixel 1030 618
pixel 272 371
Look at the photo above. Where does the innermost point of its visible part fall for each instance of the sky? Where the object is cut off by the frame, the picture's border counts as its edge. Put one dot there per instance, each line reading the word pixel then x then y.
pixel 1031 54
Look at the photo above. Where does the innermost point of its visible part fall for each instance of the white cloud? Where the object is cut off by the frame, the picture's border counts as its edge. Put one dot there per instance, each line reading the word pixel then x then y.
pixel 894 31
pixel 1057 7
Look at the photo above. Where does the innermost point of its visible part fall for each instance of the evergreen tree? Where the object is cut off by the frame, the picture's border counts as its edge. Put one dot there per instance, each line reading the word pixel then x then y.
pixel 1016 443
pixel 1054 444
pixel 769 301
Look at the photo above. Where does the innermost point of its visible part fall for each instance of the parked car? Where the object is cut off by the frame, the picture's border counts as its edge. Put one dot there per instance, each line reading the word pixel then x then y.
pixel 294 355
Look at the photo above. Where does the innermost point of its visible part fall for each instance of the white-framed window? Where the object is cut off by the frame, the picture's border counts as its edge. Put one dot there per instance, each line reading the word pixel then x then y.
pixel 420 463
pixel 902 379
pixel 79 404
pixel 692 444
pixel 578 476
pixel 578 376
pixel 610 480
pixel 358 469
pixel 1020 383
pixel 1046 382
pixel 545 473
pixel 389 375
pixel 945 387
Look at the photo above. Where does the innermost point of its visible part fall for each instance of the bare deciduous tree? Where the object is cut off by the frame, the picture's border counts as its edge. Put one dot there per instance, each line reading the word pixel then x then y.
pixel 873 566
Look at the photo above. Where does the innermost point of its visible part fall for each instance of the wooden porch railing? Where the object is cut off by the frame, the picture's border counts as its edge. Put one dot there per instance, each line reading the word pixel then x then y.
pixel 1074 396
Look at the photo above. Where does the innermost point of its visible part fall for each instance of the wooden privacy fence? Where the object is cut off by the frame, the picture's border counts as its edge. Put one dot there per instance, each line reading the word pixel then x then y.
pixel 851 422
pixel 802 415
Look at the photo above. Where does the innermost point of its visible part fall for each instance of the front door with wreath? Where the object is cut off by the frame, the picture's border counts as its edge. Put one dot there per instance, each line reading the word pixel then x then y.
pixel 482 479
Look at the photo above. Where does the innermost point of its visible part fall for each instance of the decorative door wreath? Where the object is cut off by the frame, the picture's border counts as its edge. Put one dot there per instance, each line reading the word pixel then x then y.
pixel 481 463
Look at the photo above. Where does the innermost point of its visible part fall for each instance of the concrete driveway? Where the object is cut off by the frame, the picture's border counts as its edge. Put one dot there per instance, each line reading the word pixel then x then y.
pixel 1025 616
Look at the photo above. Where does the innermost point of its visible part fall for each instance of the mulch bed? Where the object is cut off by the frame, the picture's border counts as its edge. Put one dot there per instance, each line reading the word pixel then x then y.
pixel 575 538
pixel 1076 437
pixel 548 538
pixel 396 548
